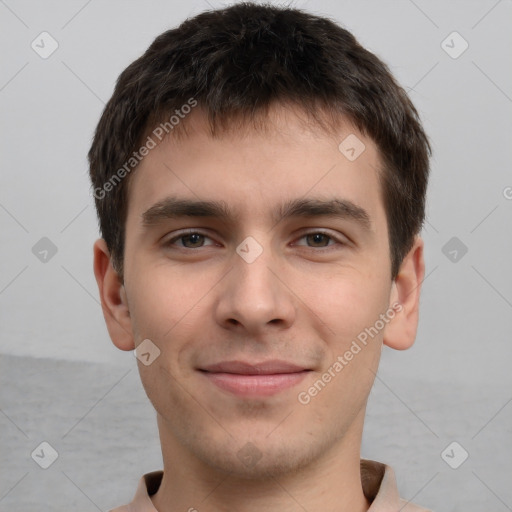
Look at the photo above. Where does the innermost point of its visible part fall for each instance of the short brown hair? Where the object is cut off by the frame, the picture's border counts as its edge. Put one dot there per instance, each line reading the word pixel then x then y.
pixel 237 62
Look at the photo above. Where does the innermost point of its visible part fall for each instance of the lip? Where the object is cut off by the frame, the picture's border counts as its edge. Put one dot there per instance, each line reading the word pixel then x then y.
pixel 271 367
pixel 254 379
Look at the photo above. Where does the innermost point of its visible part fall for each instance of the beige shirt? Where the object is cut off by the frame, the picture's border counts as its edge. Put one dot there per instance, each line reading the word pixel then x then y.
pixel 378 480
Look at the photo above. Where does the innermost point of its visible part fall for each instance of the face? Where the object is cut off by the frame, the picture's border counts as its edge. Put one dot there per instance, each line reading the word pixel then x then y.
pixel 287 264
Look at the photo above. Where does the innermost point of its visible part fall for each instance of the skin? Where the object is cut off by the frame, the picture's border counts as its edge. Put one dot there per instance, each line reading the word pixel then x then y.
pixel 304 299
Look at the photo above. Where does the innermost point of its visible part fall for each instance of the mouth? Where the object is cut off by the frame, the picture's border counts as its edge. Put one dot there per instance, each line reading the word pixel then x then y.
pixel 254 379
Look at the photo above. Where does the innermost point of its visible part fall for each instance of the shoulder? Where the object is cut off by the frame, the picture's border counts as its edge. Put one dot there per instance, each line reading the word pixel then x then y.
pixel 407 506
pixel 148 485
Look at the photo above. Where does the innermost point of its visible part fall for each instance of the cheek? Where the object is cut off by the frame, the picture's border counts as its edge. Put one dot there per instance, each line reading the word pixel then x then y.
pixel 165 310
pixel 164 298
pixel 346 304
pixel 350 307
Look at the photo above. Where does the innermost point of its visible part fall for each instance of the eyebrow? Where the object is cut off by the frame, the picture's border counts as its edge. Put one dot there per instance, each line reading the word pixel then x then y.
pixel 174 208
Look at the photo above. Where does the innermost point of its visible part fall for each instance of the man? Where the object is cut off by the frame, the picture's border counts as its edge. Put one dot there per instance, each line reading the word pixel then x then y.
pixel 260 183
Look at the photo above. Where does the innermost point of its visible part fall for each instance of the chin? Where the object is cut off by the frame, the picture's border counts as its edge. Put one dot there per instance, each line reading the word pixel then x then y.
pixel 260 459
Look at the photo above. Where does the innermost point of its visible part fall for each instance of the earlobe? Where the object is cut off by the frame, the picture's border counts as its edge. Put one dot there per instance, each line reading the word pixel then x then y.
pixel 113 298
pixel 400 333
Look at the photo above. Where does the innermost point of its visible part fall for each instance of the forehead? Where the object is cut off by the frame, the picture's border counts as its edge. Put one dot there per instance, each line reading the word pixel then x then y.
pixel 255 168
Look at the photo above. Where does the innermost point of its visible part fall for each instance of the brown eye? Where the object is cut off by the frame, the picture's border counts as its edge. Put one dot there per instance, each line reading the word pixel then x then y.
pixel 188 240
pixel 318 239
pixel 195 239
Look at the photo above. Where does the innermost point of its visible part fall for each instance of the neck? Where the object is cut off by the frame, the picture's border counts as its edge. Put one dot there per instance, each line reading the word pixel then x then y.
pixel 331 482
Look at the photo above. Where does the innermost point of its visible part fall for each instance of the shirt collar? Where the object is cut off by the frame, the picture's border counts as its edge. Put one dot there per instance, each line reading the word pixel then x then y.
pixel 378 481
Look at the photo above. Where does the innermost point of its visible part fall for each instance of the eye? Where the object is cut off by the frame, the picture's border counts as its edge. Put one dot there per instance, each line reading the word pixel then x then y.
pixel 189 240
pixel 319 239
pixel 193 239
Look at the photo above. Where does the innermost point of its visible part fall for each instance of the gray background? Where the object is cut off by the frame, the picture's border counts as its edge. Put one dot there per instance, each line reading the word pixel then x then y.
pixel 62 380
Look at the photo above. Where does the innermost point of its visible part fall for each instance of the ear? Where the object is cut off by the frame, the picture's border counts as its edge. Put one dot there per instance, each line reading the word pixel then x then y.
pixel 113 298
pixel 400 332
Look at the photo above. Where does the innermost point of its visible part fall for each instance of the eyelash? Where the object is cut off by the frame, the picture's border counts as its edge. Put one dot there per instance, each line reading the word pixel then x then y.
pixel 188 233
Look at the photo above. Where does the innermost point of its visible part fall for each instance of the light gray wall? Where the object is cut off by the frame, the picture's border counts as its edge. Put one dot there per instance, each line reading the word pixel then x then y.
pixel 453 385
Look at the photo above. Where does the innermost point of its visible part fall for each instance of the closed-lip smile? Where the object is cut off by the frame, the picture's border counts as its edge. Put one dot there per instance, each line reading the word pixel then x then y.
pixel 254 379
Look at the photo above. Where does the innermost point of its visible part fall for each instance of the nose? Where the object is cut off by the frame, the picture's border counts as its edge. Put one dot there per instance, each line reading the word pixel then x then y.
pixel 253 296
